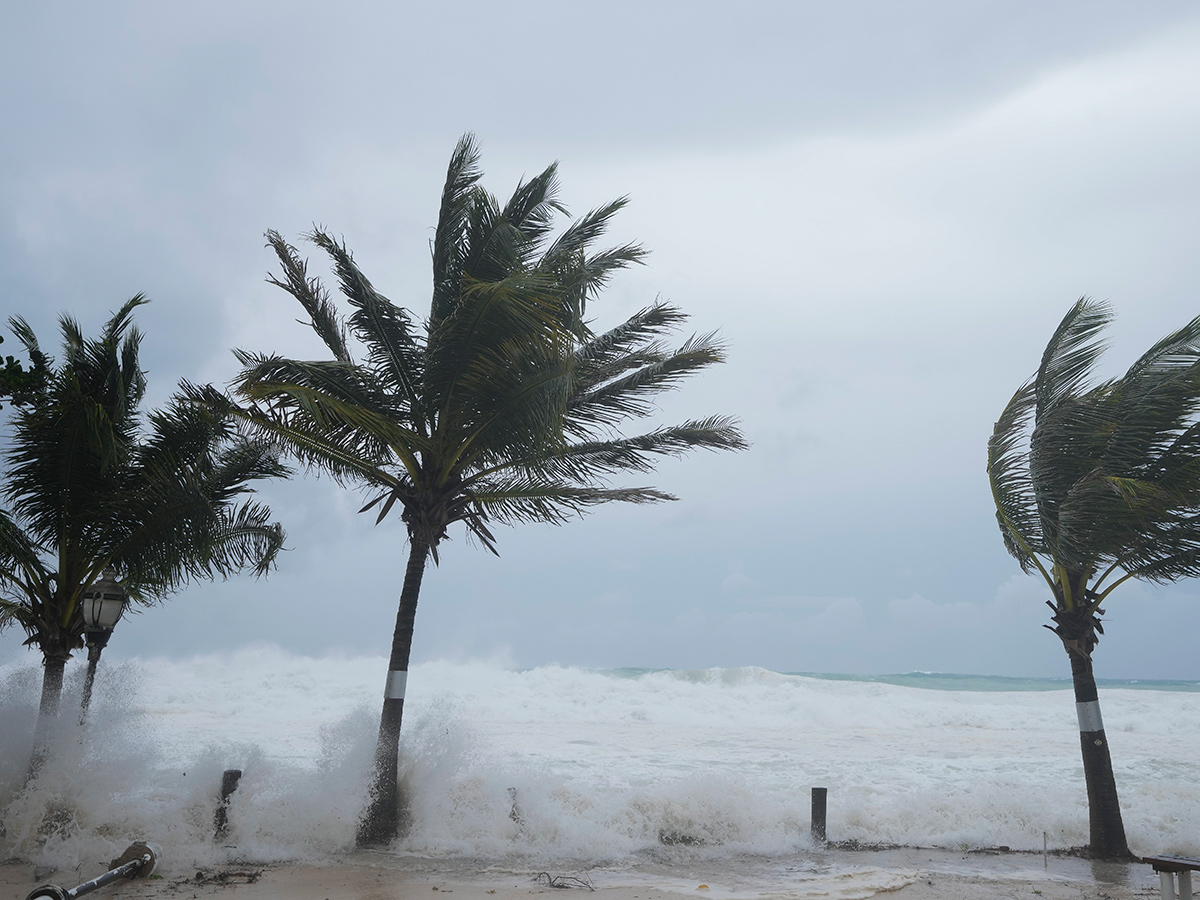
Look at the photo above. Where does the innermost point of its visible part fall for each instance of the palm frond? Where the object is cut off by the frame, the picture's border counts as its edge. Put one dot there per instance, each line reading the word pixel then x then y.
pixel 1070 354
pixel 323 316
pixel 1012 485
pixel 516 500
pixel 587 461
pixel 532 207
pixel 461 177
pixel 395 354
pixel 631 394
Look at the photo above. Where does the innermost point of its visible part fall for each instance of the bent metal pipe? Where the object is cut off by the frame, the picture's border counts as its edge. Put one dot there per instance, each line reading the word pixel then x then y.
pixel 138 861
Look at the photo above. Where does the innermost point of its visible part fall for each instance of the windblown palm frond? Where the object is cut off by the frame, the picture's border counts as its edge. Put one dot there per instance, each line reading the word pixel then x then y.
pixel 1012 485
pixel 311 294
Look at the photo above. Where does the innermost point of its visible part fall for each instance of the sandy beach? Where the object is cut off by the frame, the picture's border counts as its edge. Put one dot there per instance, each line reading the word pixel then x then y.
pixel 905 874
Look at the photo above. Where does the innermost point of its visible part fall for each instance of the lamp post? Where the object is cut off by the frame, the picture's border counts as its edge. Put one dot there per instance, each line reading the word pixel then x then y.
pixel 103 604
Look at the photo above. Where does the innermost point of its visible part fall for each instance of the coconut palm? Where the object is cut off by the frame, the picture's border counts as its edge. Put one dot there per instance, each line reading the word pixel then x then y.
pixel 89 489
pixel 503 406
pixel 1095 484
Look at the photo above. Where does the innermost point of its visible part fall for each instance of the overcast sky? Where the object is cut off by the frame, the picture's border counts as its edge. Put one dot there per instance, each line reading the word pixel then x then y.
pixel 884 208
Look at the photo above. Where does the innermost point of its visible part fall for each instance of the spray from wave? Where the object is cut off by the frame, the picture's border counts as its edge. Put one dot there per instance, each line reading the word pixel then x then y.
pixel 569 764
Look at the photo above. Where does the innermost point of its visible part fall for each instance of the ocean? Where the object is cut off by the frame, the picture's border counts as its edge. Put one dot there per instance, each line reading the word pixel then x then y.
pixel 573 769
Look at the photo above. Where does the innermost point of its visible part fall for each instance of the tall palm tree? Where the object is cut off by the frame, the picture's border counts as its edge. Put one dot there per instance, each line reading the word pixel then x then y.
pixel 1095 484
pixel 90 490
pixel 503 407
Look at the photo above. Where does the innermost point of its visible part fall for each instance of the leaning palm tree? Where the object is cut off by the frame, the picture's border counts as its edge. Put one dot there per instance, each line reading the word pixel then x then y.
pixel 1095 484
pixel 503 407
pixel 90 489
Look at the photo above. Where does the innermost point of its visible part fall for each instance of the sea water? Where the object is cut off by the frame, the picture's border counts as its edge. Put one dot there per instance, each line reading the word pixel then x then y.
pixel 627 770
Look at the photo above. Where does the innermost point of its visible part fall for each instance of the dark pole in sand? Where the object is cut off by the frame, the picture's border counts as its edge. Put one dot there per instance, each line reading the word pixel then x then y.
pixel 138 861
pixel 103 604
pixel 818 815
pixel 229 784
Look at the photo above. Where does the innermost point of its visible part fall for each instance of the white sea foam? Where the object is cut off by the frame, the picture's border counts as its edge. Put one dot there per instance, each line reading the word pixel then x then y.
pixel 604 768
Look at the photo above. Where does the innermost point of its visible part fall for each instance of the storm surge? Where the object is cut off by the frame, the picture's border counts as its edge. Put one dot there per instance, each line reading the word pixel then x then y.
pixel 609 768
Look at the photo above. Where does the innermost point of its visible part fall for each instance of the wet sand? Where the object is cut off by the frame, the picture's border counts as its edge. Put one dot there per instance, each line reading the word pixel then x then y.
pixel 903 874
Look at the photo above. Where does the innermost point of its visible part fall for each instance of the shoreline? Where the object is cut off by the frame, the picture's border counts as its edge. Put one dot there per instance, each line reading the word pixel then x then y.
pixel 906 873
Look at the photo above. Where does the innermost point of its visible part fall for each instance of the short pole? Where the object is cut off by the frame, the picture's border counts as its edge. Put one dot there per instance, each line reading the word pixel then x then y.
pixel 229 784
pixel 819 795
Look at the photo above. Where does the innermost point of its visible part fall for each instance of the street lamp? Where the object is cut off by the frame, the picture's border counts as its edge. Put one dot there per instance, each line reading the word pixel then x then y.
pixel 103 604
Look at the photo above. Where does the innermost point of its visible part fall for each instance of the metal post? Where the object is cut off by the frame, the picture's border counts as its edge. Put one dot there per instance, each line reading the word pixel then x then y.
pixel 819 795
pixel 89 680
pixel 141 865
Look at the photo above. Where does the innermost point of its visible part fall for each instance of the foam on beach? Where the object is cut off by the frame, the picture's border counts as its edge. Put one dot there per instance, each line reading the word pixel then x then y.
pixel 567 764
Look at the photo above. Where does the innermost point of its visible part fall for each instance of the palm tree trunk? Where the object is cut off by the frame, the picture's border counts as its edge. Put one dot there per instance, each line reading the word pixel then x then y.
pixel 53 665
pixel 1106 830
pixel 385 815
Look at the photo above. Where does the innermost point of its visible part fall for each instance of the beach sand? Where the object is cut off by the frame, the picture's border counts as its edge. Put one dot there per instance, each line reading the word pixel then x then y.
pixel 905 874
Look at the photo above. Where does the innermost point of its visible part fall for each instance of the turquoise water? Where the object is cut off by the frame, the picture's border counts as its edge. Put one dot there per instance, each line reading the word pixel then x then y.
pixel 945 681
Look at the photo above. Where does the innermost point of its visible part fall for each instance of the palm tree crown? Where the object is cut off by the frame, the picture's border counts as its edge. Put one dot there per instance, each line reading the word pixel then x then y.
pixel 504 407
pixel 1102 479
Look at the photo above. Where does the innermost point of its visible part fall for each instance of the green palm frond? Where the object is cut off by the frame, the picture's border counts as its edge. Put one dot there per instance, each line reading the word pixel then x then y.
pixel 1012 486
pixel 323 316
pixel 588 461
pixel 21 563
pixel 21 330
pixel 532 208
pixel 584 275
pixel 349 439
pixel 604 356
pixel 448 251
pixel 515 500
pixel 1070 355
pixel 394 351
pixel 516 408
pixel 1155 402
pixel 632 393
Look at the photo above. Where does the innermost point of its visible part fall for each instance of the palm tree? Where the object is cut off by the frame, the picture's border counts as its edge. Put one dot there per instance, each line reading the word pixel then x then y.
pixel 503 407
pixel 1094 485
pixel 88 491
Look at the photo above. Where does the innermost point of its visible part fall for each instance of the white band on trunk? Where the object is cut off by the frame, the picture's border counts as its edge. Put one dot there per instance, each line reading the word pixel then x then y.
pixel 396 681
pixel 1089 716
